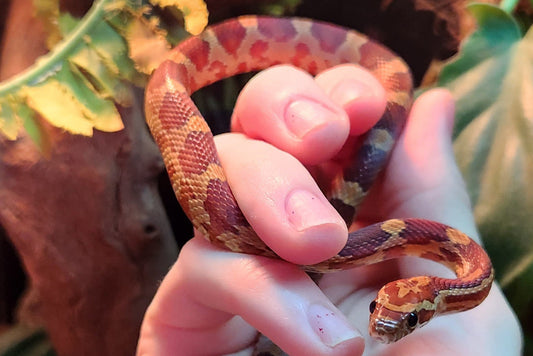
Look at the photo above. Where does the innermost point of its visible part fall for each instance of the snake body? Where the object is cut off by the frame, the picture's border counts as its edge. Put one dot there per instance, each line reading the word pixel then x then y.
pixel 186 143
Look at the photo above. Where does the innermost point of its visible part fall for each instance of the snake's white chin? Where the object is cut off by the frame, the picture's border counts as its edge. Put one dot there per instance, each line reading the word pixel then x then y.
pixel 385 338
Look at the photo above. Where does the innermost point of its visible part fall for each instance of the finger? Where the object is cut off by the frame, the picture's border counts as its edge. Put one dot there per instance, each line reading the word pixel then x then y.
pixel 425 154
pixel 285 107
pixel 358 92
pixel 281 201
pixel 193 310
pixel 422 179
pixel 422 169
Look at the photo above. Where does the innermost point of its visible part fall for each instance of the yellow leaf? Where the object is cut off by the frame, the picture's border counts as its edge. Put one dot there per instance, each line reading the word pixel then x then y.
pixel 62 108
pixel 101 112
pixel 194 12
pixel 147 49
pixel 58 107
pixel 48 12
pixel 9 123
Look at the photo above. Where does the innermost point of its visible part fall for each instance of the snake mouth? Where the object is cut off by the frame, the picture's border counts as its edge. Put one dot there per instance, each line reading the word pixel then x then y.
pixel 386 331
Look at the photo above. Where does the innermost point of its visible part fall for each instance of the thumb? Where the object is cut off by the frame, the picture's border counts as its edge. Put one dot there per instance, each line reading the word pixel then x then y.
pixel 422 179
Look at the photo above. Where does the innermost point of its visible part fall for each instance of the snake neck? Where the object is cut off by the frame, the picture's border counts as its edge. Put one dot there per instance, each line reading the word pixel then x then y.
pixel 432 296
pixel 402 306
pixel 425 239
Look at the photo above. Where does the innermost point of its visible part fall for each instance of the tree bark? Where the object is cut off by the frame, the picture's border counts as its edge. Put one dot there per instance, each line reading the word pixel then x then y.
pixel 87 222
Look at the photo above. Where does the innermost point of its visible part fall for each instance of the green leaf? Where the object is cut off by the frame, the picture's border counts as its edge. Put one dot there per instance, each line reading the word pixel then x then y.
pixel 76 85
pixel 113 50
pixel 492 82
pixel 67 24
pixel 483 62
pixel 34 129
pixel 280 7
pixel 508 5
pixel 107 84
pixel 22 340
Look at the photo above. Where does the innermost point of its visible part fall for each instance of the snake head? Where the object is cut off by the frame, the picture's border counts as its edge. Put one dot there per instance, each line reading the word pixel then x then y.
pixel 389 326
pixel 398 311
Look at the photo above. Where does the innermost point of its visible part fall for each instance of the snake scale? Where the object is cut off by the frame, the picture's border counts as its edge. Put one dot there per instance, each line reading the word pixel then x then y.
pixel 186 143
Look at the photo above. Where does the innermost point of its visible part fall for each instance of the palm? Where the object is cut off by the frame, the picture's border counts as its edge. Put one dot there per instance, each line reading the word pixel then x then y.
pixel 411 186
pixel 205 289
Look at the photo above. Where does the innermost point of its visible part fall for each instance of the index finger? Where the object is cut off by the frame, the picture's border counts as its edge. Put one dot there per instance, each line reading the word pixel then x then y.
pixel 285 107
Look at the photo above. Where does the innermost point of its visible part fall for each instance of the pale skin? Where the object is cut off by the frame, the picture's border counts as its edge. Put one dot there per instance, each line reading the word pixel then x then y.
pixel 212 302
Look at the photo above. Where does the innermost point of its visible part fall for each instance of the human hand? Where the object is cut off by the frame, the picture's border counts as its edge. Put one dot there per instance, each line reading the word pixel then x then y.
pixel 194 311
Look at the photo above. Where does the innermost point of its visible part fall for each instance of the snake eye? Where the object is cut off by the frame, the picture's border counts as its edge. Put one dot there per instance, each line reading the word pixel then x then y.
pixel 372 306
pixel 412 319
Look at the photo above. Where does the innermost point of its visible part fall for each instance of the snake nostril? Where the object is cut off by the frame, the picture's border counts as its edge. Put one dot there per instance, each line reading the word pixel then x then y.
pixel 150 230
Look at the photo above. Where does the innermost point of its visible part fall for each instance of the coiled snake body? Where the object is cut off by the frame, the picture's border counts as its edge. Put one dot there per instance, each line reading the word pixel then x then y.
pixel 253 43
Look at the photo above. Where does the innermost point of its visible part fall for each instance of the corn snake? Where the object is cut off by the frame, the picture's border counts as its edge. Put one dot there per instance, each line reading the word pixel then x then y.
pixel 186 143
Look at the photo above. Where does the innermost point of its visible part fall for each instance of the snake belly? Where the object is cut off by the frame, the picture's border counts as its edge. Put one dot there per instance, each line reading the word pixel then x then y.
pixel 253 43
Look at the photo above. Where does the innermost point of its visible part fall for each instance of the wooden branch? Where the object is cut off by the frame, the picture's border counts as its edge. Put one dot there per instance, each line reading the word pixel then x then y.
pixel 89 226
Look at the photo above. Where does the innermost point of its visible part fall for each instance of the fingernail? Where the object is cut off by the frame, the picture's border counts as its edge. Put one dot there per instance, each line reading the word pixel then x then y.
pixel 349 90
pixel 306 210
pixel 331 328
pixel 304 115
